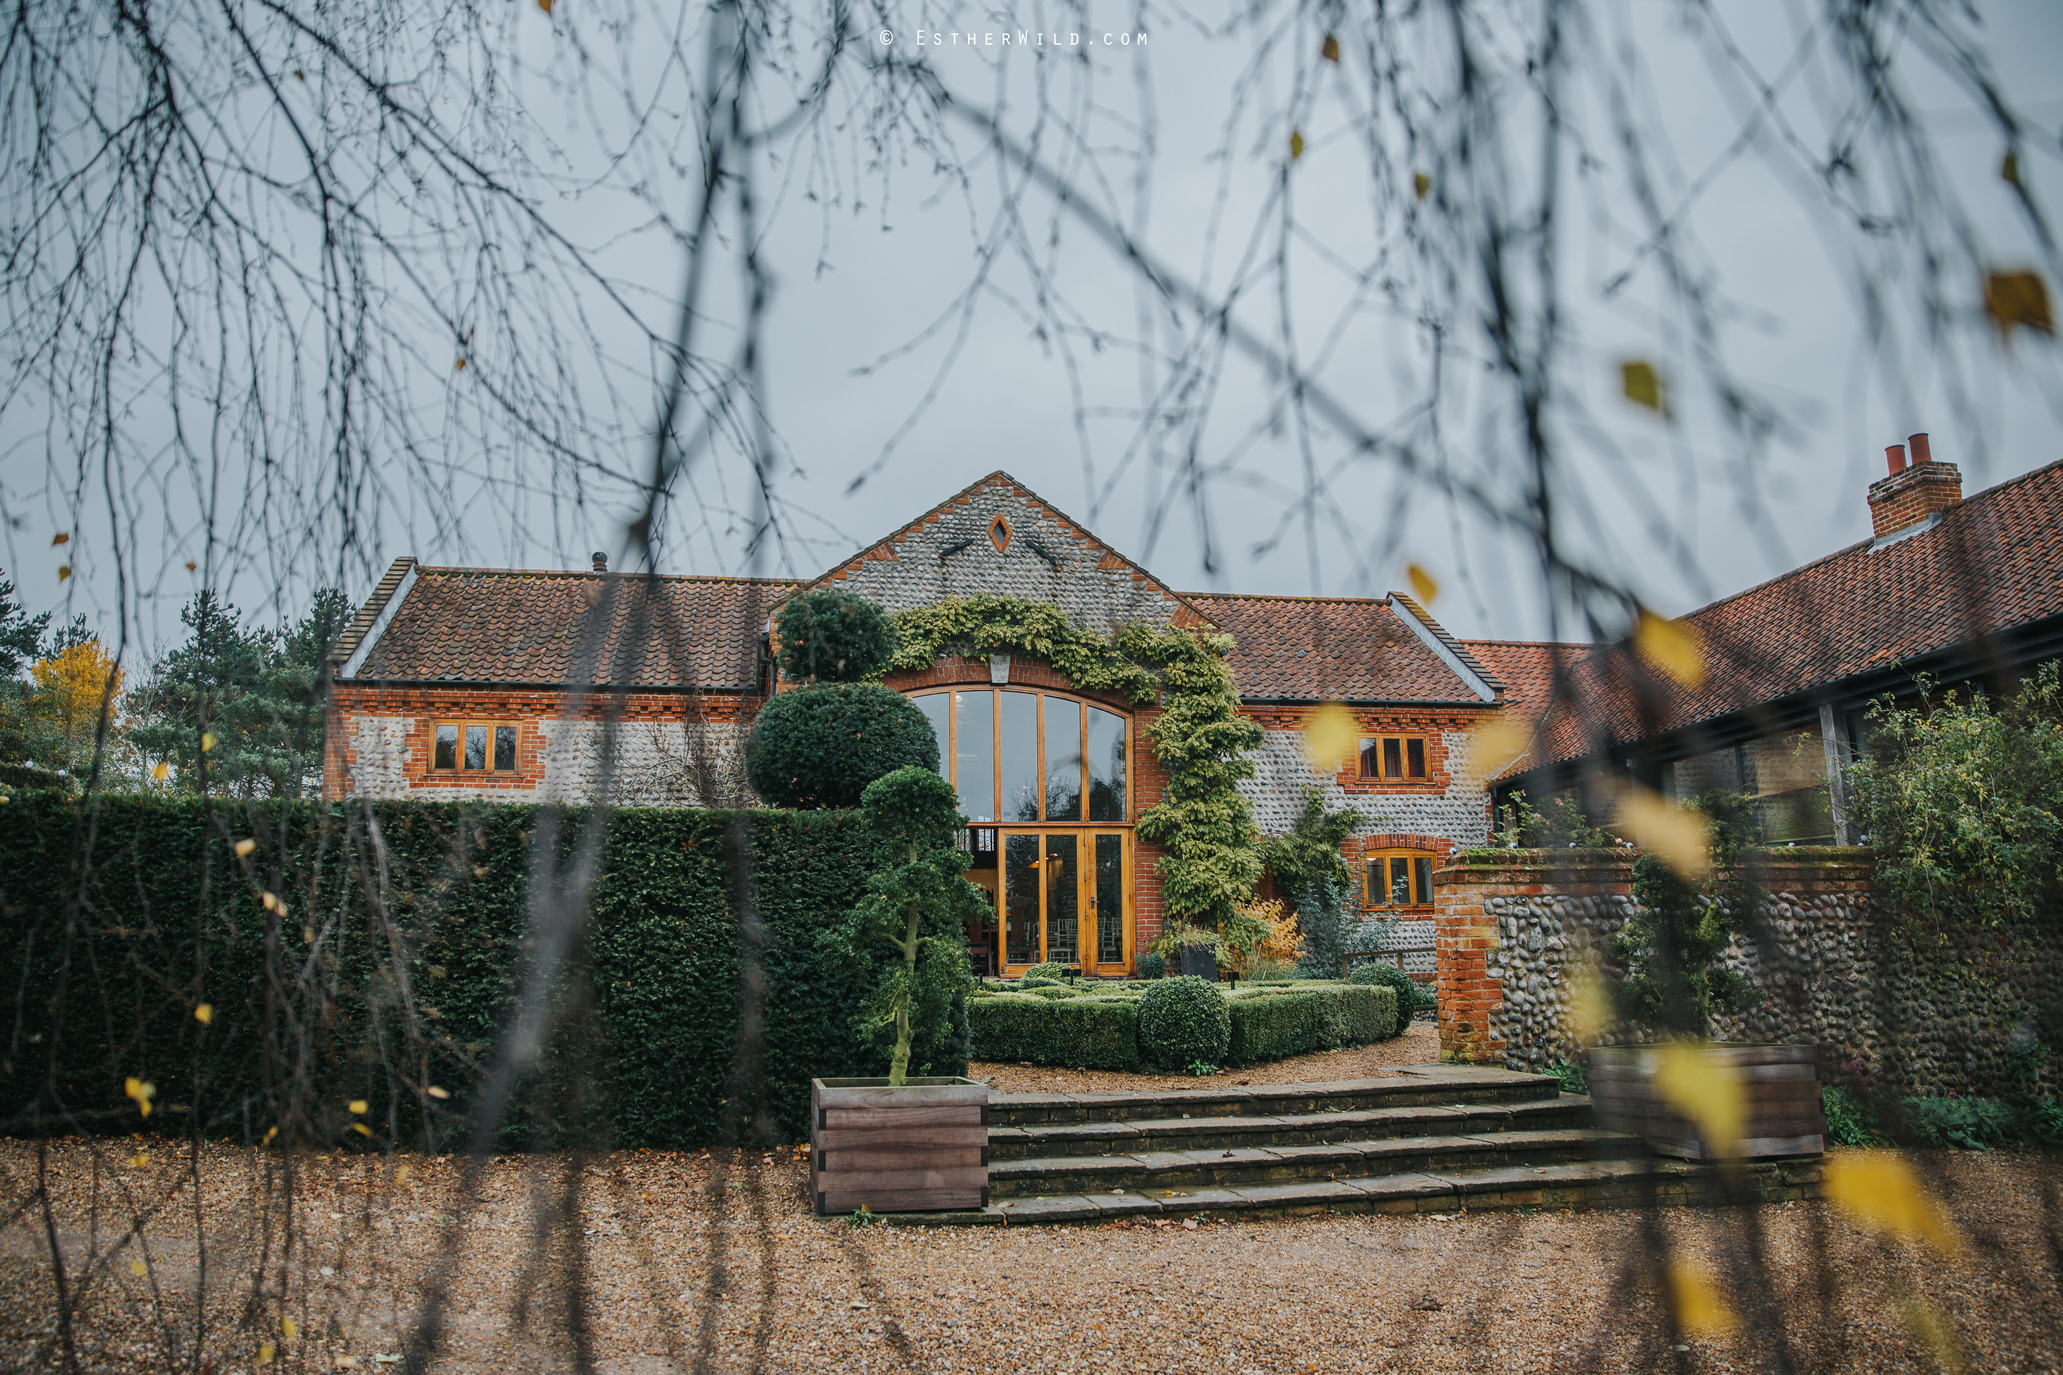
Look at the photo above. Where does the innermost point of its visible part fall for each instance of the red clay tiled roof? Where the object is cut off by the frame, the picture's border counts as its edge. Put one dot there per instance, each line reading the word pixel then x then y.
pixel 1318 649
pixel 475 625
pixel 1994 562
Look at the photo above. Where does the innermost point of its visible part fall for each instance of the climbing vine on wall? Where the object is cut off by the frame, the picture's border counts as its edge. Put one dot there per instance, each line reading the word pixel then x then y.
pixel 1213 856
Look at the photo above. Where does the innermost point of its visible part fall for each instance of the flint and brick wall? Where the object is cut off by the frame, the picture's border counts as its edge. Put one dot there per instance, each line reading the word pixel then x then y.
pixel 1924 1013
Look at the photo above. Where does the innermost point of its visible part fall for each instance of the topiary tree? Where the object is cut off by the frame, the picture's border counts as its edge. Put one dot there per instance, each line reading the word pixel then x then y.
pixel 833 636
pixel 906 940
pixel 822 745
pixel 1183 1021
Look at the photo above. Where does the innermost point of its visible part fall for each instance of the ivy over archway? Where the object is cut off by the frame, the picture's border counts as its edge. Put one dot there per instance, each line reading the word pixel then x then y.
pixel 1212 858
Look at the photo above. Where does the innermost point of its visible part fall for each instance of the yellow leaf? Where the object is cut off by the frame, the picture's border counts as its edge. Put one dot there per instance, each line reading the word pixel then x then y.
pixel 1693 1079
pixel 436 1092
pixel 2013 299
pixel 361 1129
pixel 161 771
pixel 2009 169
pixel 545 5
pixel 204 1014
pixel 1423 585
pixel 1588 1013
pixel 1330 49
pixel 287 1329
pixel 1934 1333
pixel 141 1092
pixel 270 900
pixel 138 1269
pixel 191 565
pixel 1496 741
pixel 1700 1311
pixel 61 537
pixel 1643 385
pixel 1675 647
pixel 244 847
pixel 401 1175
pixel 307 935
pixel 1879 1191
pixel 207 741
pixel 459 365
pixel 139 1160
pixel 358 1106
pixel 1296 144
pixel 1331 737
pixel 1422 184
pixel 1678 836
pixel 64 570
pixel 270 1132
pixel 265 1353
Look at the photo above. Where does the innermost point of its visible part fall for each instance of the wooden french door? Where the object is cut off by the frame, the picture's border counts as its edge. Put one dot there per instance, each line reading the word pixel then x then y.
pixel 1066 896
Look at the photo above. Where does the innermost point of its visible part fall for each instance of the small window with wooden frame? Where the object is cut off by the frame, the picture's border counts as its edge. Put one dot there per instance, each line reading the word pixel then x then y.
pixel 1395 758
pixel 1398 879
pixel 473 747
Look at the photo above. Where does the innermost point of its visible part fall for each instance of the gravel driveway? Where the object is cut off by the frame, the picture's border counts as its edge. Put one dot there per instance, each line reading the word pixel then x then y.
pixel 686 1265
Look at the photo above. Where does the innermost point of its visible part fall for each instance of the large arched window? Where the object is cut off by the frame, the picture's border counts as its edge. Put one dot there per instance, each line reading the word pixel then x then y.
pixel 1020 756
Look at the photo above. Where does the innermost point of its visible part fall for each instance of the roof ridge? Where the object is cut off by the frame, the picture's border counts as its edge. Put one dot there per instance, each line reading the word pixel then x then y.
pixel 1281 597
pixel 588 573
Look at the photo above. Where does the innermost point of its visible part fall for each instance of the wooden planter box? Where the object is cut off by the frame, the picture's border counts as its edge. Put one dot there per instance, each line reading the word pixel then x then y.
pixel 1781 1086
pixel 920 1148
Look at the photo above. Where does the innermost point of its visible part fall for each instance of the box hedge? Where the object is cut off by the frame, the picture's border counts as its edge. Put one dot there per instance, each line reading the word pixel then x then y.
pixel 1081 1033
pixel 118 920
pixel 1273 1026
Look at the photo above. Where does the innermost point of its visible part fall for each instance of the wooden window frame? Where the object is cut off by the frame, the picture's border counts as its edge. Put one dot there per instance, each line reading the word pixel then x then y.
pixel 949 750
pixel 1421 866
pixel 1374 758
pixel 458 768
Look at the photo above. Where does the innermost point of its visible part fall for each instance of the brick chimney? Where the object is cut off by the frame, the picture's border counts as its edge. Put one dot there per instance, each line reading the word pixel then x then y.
pixel 1913 494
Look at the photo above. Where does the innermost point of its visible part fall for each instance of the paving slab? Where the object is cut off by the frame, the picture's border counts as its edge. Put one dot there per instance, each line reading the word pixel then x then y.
pixel 1124 1205
pixel 1065 1208
pixel 1309 1193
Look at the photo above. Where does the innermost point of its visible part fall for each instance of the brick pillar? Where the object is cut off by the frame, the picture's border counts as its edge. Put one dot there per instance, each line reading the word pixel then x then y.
pixel 1463 939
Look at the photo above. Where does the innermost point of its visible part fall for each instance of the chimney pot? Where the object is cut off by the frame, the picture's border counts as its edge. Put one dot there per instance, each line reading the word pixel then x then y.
pixel 1921 453
pixel 601 561
pixel 1894 455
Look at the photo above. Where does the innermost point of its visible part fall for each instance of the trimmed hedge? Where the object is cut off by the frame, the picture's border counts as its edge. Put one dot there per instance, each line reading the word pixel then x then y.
pixel 1409 998
pixel 1181 1022
pixel 171 918
pixel 1274 1026
pixel 1081 1033
pixel 821 745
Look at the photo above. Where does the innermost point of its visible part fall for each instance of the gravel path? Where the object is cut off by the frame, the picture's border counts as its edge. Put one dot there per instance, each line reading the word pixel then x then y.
pixel 1420 1044
pixel 686 1265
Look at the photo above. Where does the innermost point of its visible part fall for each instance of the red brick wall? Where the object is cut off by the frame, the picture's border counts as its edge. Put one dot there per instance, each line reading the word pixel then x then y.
pixel 350 702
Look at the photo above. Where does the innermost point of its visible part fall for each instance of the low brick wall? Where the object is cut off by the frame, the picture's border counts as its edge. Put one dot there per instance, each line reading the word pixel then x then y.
pixel 1932 1012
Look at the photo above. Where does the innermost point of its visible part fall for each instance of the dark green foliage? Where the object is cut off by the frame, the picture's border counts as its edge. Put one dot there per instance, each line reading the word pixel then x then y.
pixel 1322 912
pixel 905 941
pixel 1403 985
pixel 1970 1124
pixel 1051 969
pixel 1308 870
pixel 1150 966
pixel 1559 825
pixel 833 636
pixel 1670 948
pixel 1031 981
pixel 1082 1033
pixel 1575 1078
pixel 821 745
pixel 21 635
pixel 1047 989
pixel 1848 1121
pixel 172 918
pixel 1183 1020
pixel 27 778
pixel 1276 1025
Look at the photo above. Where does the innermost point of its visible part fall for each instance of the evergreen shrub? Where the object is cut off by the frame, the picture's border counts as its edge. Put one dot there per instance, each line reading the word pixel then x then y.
pixel 1183 1021
pixel 1051 969
pixel 821 745
pixel 1150 966
pixel 1409 999
pixel 1273 1026
pixel 1082 1033
pixel 833 636
pixel 172 918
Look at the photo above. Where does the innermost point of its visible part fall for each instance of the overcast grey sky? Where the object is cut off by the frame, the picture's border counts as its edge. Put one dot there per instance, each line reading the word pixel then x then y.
pixel 872 369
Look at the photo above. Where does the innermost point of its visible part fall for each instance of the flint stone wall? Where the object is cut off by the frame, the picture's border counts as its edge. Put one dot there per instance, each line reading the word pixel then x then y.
pixel 1942 1014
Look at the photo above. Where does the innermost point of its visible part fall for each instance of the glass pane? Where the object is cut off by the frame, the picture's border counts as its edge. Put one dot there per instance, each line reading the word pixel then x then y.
pixel 1417 756
pixel 935 708
pixel 1400 881
pixel 1021 899
pixel 1063 901
pixel 1374 891
pixel 1020 756
pixel 1110 899
pixel 1422 880
pixel 1063 760
pixel 504 749
pixel 447 748
pixel 1392 758
pixel 1370 766
pixel 1106 754
pixel 974 754
pixel 476 747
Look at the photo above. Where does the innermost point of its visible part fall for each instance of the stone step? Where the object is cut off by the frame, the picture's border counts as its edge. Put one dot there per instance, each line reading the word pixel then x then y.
pixel 1409 1086
pixel 1628 1182
pixel 1208 1132
pixel 1158 1173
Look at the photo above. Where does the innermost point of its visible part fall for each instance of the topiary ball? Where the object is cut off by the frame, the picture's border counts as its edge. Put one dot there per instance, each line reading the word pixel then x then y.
pixel 833 636
pixel 1182 1021
pixel 1389 976
pixel 821 745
